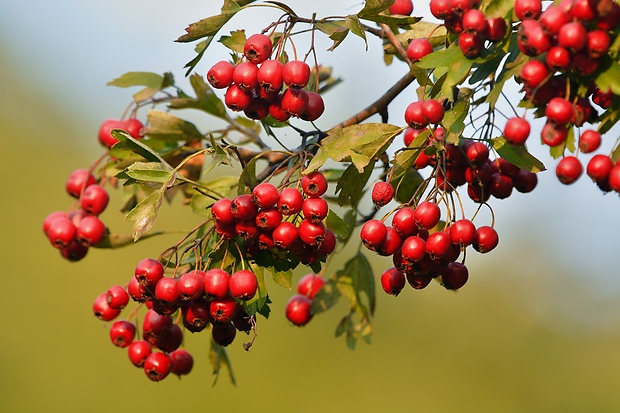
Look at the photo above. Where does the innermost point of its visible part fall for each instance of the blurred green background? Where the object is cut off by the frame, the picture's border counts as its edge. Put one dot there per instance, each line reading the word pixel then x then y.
pixel 536 329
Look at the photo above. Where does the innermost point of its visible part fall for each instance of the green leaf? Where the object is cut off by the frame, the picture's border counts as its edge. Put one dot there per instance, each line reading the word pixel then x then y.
pixel 126 143
pixel 454 120
pixel 350 188
pixel 359 144
pixel 355 279
pixel 219 358
pixel 148 79
pixel 326 298
pixel 372 8
pixel 149 172
pixel 206 100
pixel 353 23
pixel 284 7
pixel 517 155
pixel 247 179
pixel 164 126
pixel 256 303
pixel 235 42
pixel 511 69
pixel 607 79
pixel 211 25
pixel 113 241
pixel 338 226
pixel 336 30
pixel 404 160
pixel 145 213
pixel 458 66
pixel 200 50
pixel 407 185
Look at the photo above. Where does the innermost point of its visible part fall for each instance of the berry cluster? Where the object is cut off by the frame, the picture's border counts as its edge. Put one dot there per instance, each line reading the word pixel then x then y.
pixel 566 44
pixel 255 85
pixel 422 248
pixel 203 298
pixel 74 232
pixel 299 306
pixel 473 28
pixel 260 220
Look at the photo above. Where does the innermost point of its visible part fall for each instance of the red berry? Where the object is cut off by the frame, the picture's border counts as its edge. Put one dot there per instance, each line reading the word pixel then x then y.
pixel 373 233
pixel 486 239
pixel 294 101
pixel 270 75
pixel 290 201
pixel 393 281
pixel 441 9
pixel 167 290
pixel 432 111
pixel 296 74
pixel 90 230
pixel 191 285
pixel 236 98
pixel 426 215
pixel 105 135
pixel 315 107
pixel 414 116
pixel 573 36
pixel 310 284
pixel 79 180
pixel 242 208
pixel 61 232
pixel 196 315
pixel 310 233
pixel 268 219
pixel 117 297
pixel 243 285
pixel 589 141
pixel 470 44
pixel 438 244
pixel 403 222
pixel 474 21
pixel 568 170
pixel 314 184
pixel 223 309
pixel 157 366
pixel 402 7
pixel 418 48
pixel 598 167
pixel 390 244
pixel 454 276
pixel 528 9
pixel 138 351
pixel 223 333
pixel 299 310
pixel 122 333
pixel 285 235
pixel 517 130
pixel 149 271
pixel 182 362
pixel 413 249
pixel 496 29
pixel 102 310
pixel 257 48
pixel 462 232
pixel 220 76
pixel 315 209
pixel 94 199
pixel 558 58
pixel 221 212
pixel 534 73
pixel 525 181
pixel 382 193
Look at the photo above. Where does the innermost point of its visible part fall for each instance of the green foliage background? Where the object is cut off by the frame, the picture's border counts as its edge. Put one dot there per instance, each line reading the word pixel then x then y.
pixel 479 350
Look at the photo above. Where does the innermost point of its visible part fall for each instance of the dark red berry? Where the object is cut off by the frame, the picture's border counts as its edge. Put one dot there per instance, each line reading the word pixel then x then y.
pixel 122 333
pixel 157 366
pixel 138 351
pixel 393 281
pixel 299 310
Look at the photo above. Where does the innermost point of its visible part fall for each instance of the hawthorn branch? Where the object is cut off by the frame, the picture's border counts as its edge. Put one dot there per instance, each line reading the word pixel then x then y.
pixel 380 105
pixel 391 37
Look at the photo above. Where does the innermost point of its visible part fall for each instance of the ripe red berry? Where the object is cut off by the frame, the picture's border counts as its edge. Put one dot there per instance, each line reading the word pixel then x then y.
pixel 61 232
pixel 182 362
pixel 167 290
pixel 402 7
pixel 552 19
pixel 105 131
pixel 196 314
pixel 589 141
pixel 438 244
pixel 220 76
pixel 373 233
pixel 223 333
pixel 532 39
pixel 157 366
pixel 573 36
pixel 454 276
pixel 393 281
pixel 599 167
pixel 426 215
pixel 534 73
pixel 598 43
pixel 285 235
pixel 191 285
pixel 486 239
pixel 329 243
pixel 390 244
pixel 117 297
pixel 138 351
pixel 243 285
pixel 413 249
pixel 403 222
pixel 496 29
pixel 310 284
pixel 528 9
pixel 414 116
pixel 525 181
pixel 614 178
pixel 94 199
pixel 270 75
pixel 559 111
pixel 441 9
pixel 418 48
pixel 257 48
pixel 237 99
pixel 102 310
pixel 315 209
pixel 314 184
pixel 382 193
pixel 296 74
pixel 221 212
pixel 90 231
pixel 553 135
pixel 462 232
pixel 310 233
pixel 243 209
pixel 223 309
pixel 290 201
pixel 475 21
pixel 298 310
pixel 122 333
pixel 79 180
pixel 500 186
pixel 517 130
pixel 432 111
pixel 294 101
pixel 568 170
pixel 470 44
pixel 149 271
pixel 315 107
pixel 558 58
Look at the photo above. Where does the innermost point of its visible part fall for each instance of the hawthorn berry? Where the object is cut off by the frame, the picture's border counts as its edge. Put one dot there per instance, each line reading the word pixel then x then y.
pixel 382 193
pixel 568 170
pixel 157 366
pixel 122 333
pixel 296 74
pixel 223 333
pixel 589 141
pixel 94 199
pixel 220 75
pixel 79 180
pixel 393 281
pixel 373 233
pixel 138 351
pixel 299 310
pixel 310 284
pixel 486 239
pixel 418 48
pixel 182 362
pixel 257 48
pixel 243 284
